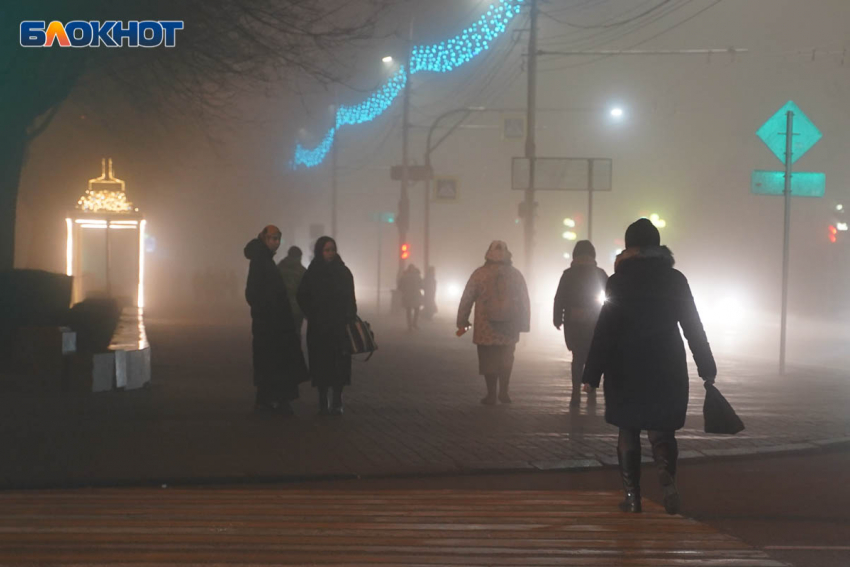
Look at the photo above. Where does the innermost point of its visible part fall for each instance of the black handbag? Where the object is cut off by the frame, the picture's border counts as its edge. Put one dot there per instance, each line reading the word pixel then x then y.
pixel 360 338
pixel 718 413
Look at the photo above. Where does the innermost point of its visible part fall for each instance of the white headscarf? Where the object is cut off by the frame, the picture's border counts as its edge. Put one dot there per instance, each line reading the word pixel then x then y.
pixel 498 252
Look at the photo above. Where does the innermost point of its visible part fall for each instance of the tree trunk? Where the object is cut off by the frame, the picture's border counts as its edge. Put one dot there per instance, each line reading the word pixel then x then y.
pixel 13 143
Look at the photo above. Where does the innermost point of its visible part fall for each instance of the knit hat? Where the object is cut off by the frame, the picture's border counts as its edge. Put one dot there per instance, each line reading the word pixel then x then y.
pixel 642 233
pixel 498 252
pixel 584 248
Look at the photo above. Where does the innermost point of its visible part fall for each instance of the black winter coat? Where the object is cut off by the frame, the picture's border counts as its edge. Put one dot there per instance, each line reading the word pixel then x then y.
pixel 326 296
pixel 638 347
pixel 577 304
pixel 278 360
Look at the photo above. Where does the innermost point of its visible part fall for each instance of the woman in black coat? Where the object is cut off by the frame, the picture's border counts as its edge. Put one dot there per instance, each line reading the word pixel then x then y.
pixel 326 296
pixel 278 361
pixel 638 347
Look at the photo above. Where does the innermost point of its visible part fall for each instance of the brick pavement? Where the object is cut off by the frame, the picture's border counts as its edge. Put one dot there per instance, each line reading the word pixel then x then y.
pixel 413 409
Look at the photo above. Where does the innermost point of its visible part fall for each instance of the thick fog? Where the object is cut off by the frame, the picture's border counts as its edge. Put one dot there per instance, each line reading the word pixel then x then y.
pixel 684 149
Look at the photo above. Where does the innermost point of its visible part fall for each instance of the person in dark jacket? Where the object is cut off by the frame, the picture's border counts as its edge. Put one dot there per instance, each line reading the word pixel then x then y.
pixel 580 295
pixel 638 347
pixel 326 296
pixel 410 286
pixel 429 296
pixel 278 361
pixel 292 272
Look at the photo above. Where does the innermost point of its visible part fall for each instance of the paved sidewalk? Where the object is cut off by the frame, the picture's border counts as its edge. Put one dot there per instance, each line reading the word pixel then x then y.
pixel 319 527
pixel 412 409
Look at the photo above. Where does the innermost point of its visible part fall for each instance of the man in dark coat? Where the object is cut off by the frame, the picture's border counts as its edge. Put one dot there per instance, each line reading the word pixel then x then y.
pixel 292 271
pixel 638 347
pixel 410 286
pixel 278 361
pixel 326 296
pixel 580 295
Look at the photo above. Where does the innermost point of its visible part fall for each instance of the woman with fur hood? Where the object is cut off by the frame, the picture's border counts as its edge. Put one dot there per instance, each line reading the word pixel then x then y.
pixel 502 312
pixel 638 347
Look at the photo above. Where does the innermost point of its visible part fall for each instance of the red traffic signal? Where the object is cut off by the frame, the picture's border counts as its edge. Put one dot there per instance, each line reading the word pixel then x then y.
pixel 833 233
pixel 405 251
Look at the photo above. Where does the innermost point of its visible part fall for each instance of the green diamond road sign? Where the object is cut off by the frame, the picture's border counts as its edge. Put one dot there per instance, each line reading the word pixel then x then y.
pixel 803 183
pixel 772 133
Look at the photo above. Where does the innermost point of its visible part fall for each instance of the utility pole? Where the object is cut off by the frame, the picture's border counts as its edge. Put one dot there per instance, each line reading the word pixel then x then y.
pixel 530 146
pixel 590 199
pixel 403 219
pixel 789 138
pixel 334 181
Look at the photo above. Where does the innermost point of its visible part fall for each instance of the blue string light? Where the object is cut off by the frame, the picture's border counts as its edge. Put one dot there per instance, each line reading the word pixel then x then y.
pixel 447 55
pixel 366 111
pixel 439 58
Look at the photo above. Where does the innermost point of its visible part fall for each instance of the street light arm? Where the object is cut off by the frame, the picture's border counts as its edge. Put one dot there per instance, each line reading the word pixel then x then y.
pixel 428 147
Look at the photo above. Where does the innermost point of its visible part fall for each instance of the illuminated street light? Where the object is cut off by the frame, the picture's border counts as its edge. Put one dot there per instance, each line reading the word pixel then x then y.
pixel 841 227
pixel 570 235
pixel 617 112
pixel 388 59
pixel 839 207
pixel 657 221
pixel 566 255
pixel 570 223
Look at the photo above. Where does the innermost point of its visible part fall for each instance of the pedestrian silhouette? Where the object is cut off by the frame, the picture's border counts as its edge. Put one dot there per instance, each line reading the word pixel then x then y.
pixel 498 292
pixel 326 296
pixel 578 302
pixel 278 361
pixel 638 347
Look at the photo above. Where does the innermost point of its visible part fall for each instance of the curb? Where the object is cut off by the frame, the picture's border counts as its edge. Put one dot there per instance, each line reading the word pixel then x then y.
pixel 516 467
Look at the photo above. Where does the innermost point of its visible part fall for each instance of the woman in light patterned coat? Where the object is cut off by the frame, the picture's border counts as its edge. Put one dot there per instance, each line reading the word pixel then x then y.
pixel 502 312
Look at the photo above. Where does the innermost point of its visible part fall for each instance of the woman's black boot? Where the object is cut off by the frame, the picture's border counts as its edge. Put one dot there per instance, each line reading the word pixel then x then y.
pixel 665 452
pixel 323 401
pixel 628 455
pixel 492 382
pixel 336 404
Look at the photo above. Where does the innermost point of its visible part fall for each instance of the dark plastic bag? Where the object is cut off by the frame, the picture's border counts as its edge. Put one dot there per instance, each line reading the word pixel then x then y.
pixel 718 413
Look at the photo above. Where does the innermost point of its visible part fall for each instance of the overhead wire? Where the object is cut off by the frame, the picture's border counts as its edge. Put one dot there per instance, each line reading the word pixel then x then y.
pixel 639 43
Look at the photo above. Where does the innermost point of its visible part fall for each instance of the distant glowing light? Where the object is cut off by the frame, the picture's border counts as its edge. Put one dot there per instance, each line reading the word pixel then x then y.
pixel 570 223
pixel 839 207
pixel 617 112
pixel 388 59
pixel 455 291
pixel 657 221
pixel 842 226
pixel 69 248
pixel 566 255
pixel 569 235
pixel 601 298
pixel 729 310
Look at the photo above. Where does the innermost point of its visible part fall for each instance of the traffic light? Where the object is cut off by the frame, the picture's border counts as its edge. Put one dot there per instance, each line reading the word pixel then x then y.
pixel 405 251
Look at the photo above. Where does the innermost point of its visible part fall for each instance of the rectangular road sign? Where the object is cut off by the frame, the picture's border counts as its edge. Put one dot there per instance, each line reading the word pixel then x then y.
pixel 562 174
pixel 803 183
pixel 414 173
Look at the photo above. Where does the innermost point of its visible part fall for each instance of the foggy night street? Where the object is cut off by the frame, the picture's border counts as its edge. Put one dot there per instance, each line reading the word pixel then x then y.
pixel 443 283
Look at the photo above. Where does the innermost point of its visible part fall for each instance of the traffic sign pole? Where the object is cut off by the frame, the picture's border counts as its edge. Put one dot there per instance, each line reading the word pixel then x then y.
pixel 789 138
